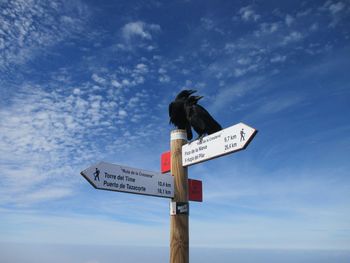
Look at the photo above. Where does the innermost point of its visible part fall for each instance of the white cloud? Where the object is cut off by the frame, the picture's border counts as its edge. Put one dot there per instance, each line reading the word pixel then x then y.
pixel 116 83
pixel 278 58
pixel 230 47
pixel 163 76
pixel 338 10
pixel 162 71
pixel 289 20
pixel 45 133
pixel 139 29
pixel 294 36
pixel 244 61
pixel 98 79
pixel 238 72
pixel 267 28
pixel 207 23
pixel 53 131
pixel 29 28
pixel 72 229
pixel 126 82
pixel 248 14
pixel 141 68
pixel 335 8
pixel 279 104
pixel 46 194
pixel 122 114
pixel 229 95
pixel 257 200
pixel 164 79
pixel 314 27
pixel 304 13
pixel 76 91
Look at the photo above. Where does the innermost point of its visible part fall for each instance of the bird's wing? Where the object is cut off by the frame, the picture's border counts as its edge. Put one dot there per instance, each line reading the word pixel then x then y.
pixel 171 113
pixel 210 124
pixel 197 120
pixel 170 109
pixel 213 126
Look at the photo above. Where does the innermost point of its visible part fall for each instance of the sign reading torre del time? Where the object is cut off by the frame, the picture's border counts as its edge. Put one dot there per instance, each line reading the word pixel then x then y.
pixel 107 176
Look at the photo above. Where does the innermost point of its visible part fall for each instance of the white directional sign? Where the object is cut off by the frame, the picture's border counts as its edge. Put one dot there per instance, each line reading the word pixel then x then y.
pixel 120 178
pixel 231 139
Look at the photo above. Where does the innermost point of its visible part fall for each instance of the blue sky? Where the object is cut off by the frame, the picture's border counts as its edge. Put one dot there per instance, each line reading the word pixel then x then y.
pixel 89 81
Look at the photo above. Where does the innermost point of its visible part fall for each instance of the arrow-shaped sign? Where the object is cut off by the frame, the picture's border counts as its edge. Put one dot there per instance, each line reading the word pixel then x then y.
pixel 107 176
pixel 229 140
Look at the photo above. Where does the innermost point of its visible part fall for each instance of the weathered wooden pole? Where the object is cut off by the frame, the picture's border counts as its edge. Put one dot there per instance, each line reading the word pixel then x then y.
pixel 179 237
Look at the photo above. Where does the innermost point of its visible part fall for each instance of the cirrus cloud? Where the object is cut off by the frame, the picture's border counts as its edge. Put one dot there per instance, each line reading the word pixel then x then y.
pixel 139 29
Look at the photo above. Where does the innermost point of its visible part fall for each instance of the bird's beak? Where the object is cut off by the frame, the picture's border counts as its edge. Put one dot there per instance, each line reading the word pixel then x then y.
pixel 191 91
pixel 198 98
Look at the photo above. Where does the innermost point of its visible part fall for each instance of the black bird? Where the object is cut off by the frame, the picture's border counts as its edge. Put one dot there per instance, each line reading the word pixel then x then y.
pixel 199 118
pixel 177 112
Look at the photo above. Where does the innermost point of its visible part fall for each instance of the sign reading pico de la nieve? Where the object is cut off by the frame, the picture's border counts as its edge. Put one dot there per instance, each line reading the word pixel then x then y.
pixel 229 140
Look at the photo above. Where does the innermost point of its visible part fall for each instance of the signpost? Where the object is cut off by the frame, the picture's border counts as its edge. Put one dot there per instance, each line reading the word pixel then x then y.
pixel 179 231
pixel 107 176
pixel 229 140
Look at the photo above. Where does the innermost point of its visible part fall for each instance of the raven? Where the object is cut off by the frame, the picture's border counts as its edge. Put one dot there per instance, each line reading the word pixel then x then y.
pixel 177 112
pixel 199 118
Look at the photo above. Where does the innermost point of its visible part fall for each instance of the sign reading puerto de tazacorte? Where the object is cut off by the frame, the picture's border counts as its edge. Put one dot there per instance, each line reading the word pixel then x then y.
pixel 107 176
pixel 231 139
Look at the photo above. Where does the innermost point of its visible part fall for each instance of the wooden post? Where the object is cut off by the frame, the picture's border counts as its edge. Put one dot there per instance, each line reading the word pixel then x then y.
pixel 179 237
